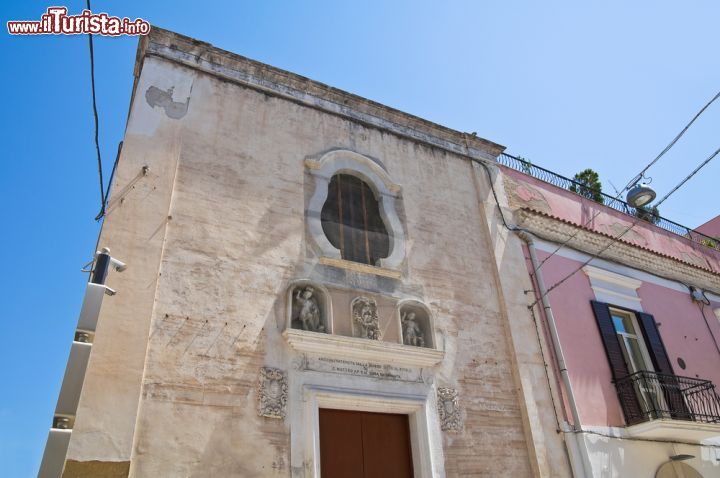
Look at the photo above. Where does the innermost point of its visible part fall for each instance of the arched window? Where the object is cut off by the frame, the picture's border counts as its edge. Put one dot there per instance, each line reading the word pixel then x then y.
pixel 355 220
pixel 351 220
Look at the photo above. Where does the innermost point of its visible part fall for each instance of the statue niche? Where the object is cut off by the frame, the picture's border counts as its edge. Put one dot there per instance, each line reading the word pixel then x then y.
pixel 416 325
pixel 411 331
pixel 307 311
pixel 366 323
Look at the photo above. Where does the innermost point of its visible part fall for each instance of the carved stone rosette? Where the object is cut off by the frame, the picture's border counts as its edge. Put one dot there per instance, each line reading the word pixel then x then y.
pixel 448 409
pixel 272 393
pixel 365 318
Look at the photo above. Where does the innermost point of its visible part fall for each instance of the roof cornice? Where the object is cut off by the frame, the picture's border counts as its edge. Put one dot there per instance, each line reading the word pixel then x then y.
pixel 204 57
pixel 556 230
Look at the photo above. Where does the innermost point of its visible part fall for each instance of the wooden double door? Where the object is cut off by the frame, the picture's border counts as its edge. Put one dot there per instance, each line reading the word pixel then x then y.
pixel 364 445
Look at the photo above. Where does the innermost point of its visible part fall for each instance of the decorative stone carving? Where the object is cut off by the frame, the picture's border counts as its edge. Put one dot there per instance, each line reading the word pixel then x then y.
pixel 306 312
pixel 520 194
pixel 411 331
pixel 272 393
pixel 365 318
pixel 448 409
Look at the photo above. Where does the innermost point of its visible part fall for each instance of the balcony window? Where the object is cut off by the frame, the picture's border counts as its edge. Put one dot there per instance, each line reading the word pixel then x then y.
pixel 647 386
pixel 637 360
pixel 673 397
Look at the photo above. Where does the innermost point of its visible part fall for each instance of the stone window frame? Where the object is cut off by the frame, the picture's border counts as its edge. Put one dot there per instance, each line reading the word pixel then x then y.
pixel 613 288
pixel 386 191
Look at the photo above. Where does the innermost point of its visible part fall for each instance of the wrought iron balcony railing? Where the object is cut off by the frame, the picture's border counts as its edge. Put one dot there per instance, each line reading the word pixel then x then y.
pixel 648 396
pixel 548 176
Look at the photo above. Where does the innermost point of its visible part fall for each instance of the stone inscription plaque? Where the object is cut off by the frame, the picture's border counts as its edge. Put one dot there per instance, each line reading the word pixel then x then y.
pixel 360 368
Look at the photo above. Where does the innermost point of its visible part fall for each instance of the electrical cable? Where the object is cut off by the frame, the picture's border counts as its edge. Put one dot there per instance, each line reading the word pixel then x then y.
pixel 492 188
pixel 516 229
pixel 701 306
pixel 531 306
pixel 710 158
pixel 592 257
pixel 635 222
pixel 637 177
pixel 103 210
pixel 95 113
pixel 675 140
pixel 597 254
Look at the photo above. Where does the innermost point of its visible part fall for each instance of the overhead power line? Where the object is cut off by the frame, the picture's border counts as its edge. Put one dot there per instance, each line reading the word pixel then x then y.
pixel 638 176
pixel 675 139
pixel 104 208
pixel 710 158
pixel 626 230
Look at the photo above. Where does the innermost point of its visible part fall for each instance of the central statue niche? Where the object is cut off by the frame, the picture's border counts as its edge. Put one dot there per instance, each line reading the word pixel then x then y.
pixel 365 320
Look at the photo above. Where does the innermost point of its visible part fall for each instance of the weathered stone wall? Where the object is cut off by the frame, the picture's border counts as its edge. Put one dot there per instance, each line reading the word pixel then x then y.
pixel 134 229
pixel 230 161
pixel 235 241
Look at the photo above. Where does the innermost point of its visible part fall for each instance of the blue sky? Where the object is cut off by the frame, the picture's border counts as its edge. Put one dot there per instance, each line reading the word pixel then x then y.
pixel 566 84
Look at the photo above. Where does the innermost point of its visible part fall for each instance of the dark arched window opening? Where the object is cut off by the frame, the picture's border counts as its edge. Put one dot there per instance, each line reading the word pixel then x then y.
pixel 351 220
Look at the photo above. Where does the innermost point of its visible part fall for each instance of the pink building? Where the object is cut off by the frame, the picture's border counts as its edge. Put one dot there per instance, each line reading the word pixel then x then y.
pixel 637 324
pixel 711 228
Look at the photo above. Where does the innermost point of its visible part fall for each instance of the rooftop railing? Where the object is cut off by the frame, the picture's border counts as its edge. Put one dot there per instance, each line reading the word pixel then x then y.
pixel 548 176
pixel 648 396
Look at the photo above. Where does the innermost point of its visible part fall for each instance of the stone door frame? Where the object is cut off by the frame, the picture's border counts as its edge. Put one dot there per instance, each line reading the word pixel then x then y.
pixel 322 391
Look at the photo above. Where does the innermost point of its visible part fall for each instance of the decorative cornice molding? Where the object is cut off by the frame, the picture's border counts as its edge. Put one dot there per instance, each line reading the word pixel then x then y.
pixel 558 231
pixel 362 349
pixel 612 277
pixel 204 57
pixel 614 288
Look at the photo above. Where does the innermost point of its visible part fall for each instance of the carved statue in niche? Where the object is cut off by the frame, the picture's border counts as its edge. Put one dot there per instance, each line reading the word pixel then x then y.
pixel 448 409
pixel 365 316
pixel 272 393
pixel 412 332
pixel 306 311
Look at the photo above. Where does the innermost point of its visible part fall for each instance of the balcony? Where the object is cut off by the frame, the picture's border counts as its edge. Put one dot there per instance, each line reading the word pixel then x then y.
pixel 615 203
pixel 669 407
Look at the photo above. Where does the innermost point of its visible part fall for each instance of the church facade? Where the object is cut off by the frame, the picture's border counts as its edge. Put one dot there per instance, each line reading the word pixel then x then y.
pixel 315 283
